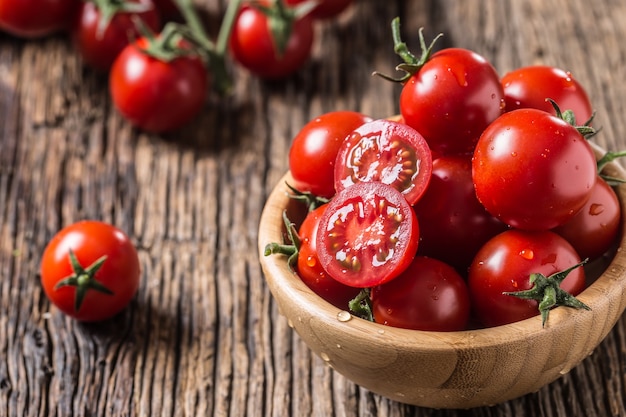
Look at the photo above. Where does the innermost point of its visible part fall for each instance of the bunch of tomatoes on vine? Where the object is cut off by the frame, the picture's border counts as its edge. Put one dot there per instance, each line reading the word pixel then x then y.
pixel 481 204
pixel 161 60
pixel 161 64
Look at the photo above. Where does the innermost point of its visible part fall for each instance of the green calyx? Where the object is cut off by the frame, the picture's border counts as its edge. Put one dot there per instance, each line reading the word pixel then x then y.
pixel 586 130
pixel 109 8
pixel 412 63
pixel 311 200
pixel 548 292
pixel 83 279
pixel 290 250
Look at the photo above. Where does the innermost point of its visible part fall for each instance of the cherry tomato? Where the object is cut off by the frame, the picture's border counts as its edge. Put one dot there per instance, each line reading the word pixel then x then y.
pixel 90 270
pixel 368 235
pixel 314 150
pixel 529 87
pixel 99 45
pixel 505 263
pixel 593 230
pixel 310 269
pixel 325 9
pixel 155 95
pixel 428 295
pixel 388 152
pixel 533 170
pixel 35 18
pixel 453 223
pixel 451 99
pixel 253 45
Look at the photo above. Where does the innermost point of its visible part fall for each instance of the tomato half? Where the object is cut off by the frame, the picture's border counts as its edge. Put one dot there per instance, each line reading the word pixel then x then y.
pixel 451 99
pixel 253 45
pixel 314 150
pixel 533 170
pixel 368 235
pixel 388 152
pixel 100 45
pixel 529 87
pixel 35 18
pixel 155 95
pixel 428 295
pixel 505 263
pixel 310 269
pixel 96 248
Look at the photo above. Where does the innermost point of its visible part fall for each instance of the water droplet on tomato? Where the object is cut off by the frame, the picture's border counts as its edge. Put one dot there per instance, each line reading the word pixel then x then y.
pixel 513 154
pixel 527 254
pixel 311 261
pixel 596 209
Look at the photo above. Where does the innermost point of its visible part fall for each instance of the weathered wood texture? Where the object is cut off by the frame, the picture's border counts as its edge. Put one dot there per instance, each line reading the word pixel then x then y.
pixel 203 336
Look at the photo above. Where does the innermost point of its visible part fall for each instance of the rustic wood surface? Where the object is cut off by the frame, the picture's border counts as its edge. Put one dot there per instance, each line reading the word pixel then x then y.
pixel 203 336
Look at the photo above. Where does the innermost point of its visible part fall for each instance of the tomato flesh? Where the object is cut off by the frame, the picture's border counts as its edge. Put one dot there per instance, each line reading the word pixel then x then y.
pixel 388 152
pixel 368 235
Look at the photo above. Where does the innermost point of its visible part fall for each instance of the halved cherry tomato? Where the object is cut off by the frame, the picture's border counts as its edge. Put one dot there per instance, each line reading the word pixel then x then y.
pixel 90 270
pixel 314 150
pixel 388 152
pixel 368 235
pixel 428 295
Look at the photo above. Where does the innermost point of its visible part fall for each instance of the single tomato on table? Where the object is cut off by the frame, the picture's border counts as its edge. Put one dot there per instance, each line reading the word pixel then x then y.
pixel 314 150
pixel 158 91
pixel 101 29
pixel 270 40
pixel 90 270
pixel 507 264
pixel 368 235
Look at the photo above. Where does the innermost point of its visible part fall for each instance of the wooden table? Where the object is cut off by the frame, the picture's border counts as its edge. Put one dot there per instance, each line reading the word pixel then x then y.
pixel 203 336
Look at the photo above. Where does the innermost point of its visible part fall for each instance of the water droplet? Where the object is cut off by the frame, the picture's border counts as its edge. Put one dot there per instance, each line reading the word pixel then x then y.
pixel 311 261
pixel 381 331
pixel 344 316
pixel 338 346
pixel 513 154
pixel 564 371
pixel 596 209
pixel 290 323
pixel 324 357
pixel 527 254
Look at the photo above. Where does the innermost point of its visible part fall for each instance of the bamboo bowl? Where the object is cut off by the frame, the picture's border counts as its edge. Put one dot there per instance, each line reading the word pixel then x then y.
pixel 444 369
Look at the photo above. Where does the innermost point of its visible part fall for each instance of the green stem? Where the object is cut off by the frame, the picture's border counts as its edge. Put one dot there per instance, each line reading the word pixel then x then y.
pixel 227 27
pixel 195 24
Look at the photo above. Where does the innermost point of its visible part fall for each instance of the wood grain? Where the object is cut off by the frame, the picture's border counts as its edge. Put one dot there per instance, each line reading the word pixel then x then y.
pixel 204 336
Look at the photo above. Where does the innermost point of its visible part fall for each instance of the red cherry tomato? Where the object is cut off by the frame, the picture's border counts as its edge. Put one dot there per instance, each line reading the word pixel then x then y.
pixel 533 170
pixel 314 150
pixel 84 248
pixel 529 87
pixel 100 45
pixel 428 295
pixel 385 151
pixel 368 235
pixel 310 269
pixel 453 223
pixel 325 9
pixel 593 230
pixel 451 99
pixel 155 95
pixel 505 263
pixel 253 45
pixel 35 18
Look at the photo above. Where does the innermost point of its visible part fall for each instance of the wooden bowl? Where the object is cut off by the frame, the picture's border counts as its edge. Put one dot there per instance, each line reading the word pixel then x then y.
pixel 444 369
